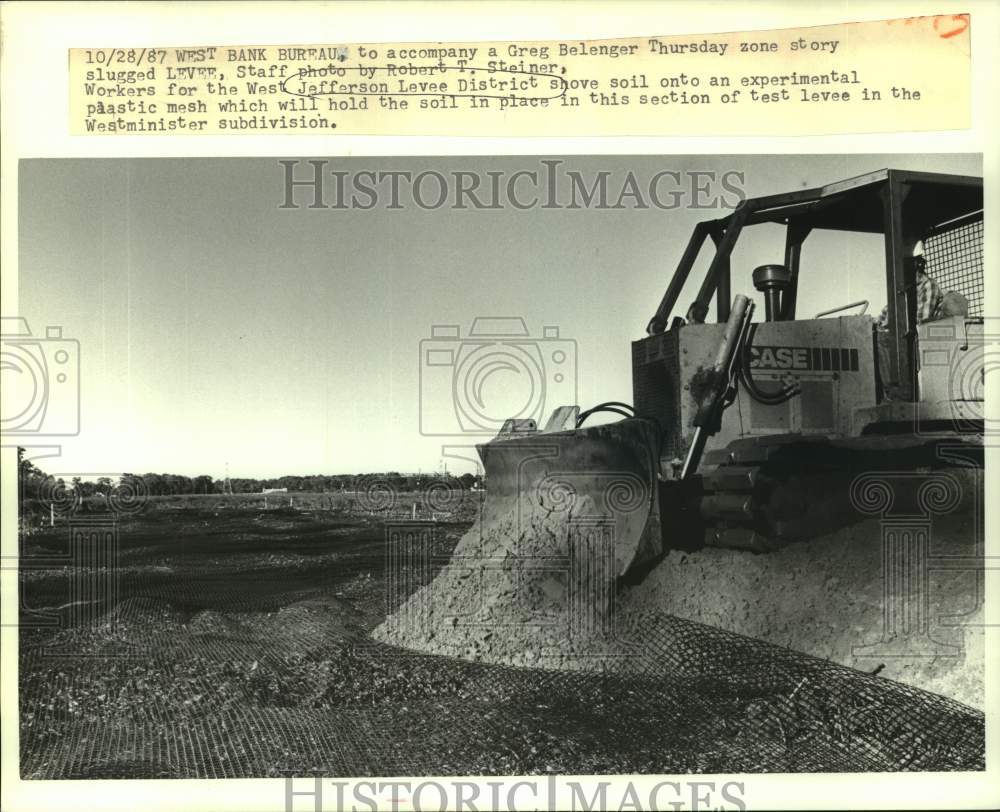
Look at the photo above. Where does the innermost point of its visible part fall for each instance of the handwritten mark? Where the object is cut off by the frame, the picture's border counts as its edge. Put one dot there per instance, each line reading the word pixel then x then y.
pixel 953 24
pixel 329 82
pixel 959 23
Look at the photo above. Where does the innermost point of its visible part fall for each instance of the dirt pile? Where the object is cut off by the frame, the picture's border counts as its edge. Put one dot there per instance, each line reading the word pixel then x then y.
pixel 557 607
pixel 496 602
pixel 533 581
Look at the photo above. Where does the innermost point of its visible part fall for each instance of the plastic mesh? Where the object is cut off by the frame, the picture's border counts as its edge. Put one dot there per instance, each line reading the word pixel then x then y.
pixel 954 255
pixel 242 654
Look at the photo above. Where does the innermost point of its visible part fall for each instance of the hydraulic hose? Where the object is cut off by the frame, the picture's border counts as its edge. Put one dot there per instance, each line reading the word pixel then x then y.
pixel 614 406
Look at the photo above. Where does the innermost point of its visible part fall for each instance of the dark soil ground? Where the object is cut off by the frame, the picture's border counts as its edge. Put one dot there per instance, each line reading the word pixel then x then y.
pixel 236 643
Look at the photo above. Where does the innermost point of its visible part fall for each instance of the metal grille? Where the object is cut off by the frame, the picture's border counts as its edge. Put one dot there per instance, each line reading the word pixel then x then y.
pixel 655 393
pixel 954 254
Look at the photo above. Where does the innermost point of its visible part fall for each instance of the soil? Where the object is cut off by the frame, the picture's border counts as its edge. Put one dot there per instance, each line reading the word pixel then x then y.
pixel 237 643
pixel 503 601
pixel 826 597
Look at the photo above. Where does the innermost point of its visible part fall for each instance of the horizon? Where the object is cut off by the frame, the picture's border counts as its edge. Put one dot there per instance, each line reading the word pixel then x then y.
pixel 92 478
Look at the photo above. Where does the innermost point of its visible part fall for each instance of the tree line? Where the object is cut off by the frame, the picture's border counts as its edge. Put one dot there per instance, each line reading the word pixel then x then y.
pixel 35 483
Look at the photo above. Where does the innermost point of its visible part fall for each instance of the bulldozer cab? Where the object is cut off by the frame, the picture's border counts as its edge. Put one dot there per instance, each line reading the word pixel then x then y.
pixel 945 212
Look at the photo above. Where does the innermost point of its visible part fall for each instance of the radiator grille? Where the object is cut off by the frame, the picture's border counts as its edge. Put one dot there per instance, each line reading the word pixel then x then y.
pixel 655 385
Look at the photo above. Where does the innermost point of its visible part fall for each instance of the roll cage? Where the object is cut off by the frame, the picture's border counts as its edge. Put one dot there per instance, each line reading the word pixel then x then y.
pixel 945 210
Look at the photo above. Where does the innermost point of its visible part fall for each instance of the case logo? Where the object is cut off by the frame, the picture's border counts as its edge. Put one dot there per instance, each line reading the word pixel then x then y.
pixel 815 359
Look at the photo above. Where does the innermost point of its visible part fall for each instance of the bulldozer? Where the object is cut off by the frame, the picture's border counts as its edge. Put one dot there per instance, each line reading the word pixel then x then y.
pixel 789 479
pixel 756 434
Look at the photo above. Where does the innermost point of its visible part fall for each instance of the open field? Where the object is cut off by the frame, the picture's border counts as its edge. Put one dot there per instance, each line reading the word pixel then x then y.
pixel 210 637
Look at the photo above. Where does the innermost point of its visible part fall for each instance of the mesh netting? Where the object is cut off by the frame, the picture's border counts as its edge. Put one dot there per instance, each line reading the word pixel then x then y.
pixel 954 255
pixel 236 651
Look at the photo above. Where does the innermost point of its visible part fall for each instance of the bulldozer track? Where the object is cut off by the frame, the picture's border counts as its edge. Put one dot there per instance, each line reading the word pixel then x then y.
pixel 761 496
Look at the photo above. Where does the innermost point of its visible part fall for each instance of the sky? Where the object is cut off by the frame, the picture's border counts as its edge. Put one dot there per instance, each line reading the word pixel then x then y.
pixel 217 330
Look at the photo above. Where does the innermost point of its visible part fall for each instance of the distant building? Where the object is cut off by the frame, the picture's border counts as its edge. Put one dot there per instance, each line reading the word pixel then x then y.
pixel 275 490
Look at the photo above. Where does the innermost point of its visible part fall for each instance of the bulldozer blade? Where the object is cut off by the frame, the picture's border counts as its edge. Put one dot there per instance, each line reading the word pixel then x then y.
pixel 547 491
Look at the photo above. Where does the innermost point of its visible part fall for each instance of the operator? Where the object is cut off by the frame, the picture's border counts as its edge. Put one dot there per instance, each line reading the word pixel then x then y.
pixel 932 303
